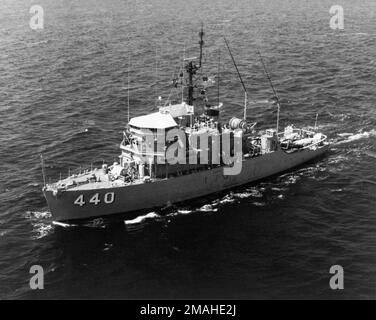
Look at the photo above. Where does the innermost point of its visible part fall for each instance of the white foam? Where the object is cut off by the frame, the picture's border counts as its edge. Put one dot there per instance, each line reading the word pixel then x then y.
pixel 259 204
pixel 38 214
pixel 208 208
pixel 140 219
pixel 107 246
pixel 42 230
pixel 33 185
pixel 64 225
pixel 182 211
pixel 227 199
pixel 256 193
pixel 345 134
pixel 358 136
pixel 96 223
pixel 242 195
pixel 291 179
pixel 179 212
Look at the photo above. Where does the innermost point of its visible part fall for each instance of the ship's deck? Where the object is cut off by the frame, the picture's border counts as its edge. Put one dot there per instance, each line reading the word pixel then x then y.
pixel 104 179
pixel 91 180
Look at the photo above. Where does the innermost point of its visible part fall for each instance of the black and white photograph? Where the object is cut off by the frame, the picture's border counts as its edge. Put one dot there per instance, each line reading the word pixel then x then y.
pixel 172 152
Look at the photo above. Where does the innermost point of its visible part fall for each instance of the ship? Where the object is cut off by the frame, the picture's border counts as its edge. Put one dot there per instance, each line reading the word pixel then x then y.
pixel 183 151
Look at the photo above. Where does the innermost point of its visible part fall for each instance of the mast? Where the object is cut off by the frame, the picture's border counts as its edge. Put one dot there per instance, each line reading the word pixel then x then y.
pixel 182 76
pixel 191 69
pixel 218 76
pixel 156 77
pixel 240 78
pixel 317 115
pixel 201 42
pixel 271 84
pixel 129 62
pixel 43 173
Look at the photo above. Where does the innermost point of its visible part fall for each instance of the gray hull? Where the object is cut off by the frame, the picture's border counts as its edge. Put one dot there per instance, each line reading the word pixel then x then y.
pixel 136 197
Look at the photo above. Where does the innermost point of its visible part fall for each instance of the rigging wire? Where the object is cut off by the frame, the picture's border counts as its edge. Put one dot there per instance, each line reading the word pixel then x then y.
pixel 272 86
pixel 240 78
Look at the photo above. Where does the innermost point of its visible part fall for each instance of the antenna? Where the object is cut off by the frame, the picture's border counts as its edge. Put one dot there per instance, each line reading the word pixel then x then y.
pixel 201 42
pixel 219 69
pixel 156 73
pixel 182 78
pixel 271 84
pixel 240 78
pixel 129 63
pixel 317 115
pixel 43 173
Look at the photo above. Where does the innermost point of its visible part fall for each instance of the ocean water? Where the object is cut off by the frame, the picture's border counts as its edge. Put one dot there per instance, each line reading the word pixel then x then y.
pixel 63 93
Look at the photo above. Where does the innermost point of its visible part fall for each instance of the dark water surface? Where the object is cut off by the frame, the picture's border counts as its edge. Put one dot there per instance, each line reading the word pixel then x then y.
pixel 63 94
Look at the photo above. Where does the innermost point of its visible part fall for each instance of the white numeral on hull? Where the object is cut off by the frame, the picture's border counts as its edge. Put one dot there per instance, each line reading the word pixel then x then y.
pixel 109 197
pixel 80 200
pixel 95 199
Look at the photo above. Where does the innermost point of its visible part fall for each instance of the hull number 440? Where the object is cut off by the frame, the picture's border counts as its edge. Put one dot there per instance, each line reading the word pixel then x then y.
pixel 95 199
